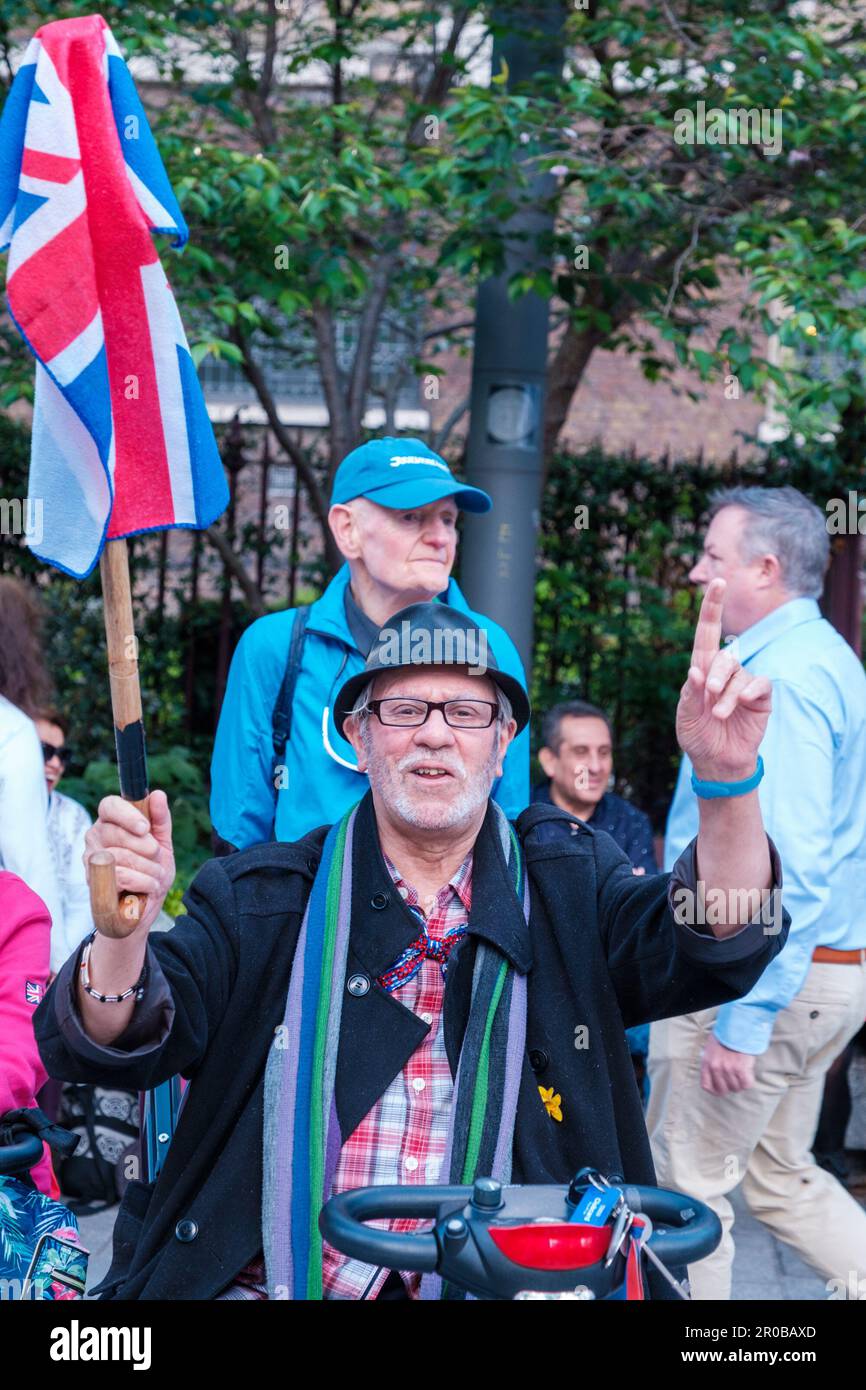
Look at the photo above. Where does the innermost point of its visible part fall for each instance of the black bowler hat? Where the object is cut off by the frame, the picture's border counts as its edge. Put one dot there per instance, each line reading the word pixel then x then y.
pixel 431 634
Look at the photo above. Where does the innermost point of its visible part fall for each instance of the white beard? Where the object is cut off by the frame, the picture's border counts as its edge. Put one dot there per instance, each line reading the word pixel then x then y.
pixel 389 782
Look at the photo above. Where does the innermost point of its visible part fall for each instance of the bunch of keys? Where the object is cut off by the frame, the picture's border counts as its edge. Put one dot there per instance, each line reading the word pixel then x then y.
pixel 623 1222
pixel 596 1201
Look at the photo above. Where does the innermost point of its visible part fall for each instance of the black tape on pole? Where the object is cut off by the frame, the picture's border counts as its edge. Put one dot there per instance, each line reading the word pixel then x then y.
pixel 131 761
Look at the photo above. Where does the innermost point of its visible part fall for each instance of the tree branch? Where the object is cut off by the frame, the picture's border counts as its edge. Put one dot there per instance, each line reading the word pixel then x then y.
pixel 680 262
pixel 267 74
pixel 368 327
pixel 255 376
pixel 340 438
pixel 234 565
pixel 677 27
pixel 565 371
pixel 443 73
pixel 449 328
pixel 440 438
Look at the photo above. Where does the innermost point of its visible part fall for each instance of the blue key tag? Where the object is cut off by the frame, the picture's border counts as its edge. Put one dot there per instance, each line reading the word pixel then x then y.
pixel 595 1207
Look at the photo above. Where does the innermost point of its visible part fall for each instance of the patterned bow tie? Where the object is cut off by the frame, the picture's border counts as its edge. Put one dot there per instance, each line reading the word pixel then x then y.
pixel 423 948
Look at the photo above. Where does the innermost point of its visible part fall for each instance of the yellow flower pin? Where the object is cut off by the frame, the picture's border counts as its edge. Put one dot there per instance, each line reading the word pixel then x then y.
pixel 552 1103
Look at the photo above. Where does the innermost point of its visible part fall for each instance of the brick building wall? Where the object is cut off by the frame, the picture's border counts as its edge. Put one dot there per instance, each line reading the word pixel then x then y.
pixel 617 407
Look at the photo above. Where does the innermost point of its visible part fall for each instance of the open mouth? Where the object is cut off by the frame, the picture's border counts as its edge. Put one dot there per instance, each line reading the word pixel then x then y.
pixel 431 774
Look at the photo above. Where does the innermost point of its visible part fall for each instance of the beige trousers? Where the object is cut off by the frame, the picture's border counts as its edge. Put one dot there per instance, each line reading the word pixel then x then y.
pixel 705 1145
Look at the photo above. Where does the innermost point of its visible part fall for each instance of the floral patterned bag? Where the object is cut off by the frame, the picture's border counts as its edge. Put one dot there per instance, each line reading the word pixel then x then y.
pixel 41 1255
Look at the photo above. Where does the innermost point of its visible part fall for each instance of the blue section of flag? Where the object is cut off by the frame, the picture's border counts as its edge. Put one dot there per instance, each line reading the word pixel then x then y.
pixel 13 123
pixel 89 397
pixel 25 207
pixel 139 147
pixel 70 481
pixel 207 471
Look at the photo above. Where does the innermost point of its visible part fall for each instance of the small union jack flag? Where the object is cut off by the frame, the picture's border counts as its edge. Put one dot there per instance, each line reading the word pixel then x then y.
pixel 122 442
pixel 33 991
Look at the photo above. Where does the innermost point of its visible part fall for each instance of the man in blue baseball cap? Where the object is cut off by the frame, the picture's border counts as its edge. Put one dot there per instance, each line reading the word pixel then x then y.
pixel 281 765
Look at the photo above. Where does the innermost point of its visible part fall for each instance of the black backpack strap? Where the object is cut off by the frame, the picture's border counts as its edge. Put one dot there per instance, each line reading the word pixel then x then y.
pixel 282 717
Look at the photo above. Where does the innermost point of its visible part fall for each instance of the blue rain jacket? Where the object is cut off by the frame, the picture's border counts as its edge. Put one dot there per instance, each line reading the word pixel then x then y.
pixel 321 780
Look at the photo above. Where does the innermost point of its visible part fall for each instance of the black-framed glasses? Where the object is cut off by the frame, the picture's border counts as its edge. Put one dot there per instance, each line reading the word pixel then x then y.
pixel 397 711
pixel 64 754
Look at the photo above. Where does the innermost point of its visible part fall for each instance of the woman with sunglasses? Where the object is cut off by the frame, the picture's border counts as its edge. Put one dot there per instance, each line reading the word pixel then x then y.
pixel 25 688
pixel 68 822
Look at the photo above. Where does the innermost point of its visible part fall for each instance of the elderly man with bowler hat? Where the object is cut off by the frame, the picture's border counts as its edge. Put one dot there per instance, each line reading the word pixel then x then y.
pixel 394 998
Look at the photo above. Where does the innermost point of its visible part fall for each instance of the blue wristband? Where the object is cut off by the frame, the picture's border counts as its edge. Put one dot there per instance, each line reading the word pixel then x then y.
pixel 709 790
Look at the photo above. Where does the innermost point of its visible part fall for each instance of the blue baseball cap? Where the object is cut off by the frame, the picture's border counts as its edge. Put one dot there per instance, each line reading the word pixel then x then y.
pixel 402 473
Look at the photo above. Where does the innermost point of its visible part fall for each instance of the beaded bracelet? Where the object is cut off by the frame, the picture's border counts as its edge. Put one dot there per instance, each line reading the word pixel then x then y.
pixel 137 989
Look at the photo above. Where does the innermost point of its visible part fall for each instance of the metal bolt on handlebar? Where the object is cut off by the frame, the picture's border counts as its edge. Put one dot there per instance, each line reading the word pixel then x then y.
pixel 456 1231
pixel 487 1194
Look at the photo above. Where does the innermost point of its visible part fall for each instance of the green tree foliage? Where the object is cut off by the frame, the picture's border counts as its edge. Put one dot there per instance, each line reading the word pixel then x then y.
pixel 328 197
pixel 178 776
pixel 698 147
pixel 327 201
pixel 317 195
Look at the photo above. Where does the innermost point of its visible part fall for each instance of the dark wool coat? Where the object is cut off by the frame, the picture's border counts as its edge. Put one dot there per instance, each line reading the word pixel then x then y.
pixel 602 952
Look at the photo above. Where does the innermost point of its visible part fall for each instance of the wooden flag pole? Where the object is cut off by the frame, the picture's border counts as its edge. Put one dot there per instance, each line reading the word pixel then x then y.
pixel 113 915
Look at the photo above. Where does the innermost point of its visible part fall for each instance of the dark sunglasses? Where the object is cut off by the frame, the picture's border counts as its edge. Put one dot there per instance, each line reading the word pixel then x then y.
pixel 64 754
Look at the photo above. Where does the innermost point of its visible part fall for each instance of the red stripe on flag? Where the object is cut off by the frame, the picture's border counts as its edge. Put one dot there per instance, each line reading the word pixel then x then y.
pixel 56 168
pixel 53 294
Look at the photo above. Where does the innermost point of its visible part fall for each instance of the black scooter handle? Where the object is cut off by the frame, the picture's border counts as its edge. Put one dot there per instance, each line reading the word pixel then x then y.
pixel 341 1223
pixel 690 1230
pixel 21 1156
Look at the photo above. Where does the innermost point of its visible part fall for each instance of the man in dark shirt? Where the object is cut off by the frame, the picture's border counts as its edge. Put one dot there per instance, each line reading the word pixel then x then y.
pixel 577 755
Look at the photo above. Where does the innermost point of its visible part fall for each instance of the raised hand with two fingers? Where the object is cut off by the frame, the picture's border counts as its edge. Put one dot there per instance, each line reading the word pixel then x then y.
pixel 723 710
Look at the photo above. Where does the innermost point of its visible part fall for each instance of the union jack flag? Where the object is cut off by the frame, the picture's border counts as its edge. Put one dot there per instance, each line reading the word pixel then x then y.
pixel 122 442
pixel 33 991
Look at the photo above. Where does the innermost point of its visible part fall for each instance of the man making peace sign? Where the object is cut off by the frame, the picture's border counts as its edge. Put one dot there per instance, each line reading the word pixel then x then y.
pixel 470 981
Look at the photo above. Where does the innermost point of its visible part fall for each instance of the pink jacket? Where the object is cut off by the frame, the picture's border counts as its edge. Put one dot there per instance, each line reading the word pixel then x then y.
pixel 25 937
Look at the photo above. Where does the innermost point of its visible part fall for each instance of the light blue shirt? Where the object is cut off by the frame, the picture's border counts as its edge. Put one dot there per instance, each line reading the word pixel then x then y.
pixel 813 801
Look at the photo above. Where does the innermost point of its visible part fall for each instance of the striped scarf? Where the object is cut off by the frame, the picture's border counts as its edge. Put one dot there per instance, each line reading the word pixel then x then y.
pixel 302 1139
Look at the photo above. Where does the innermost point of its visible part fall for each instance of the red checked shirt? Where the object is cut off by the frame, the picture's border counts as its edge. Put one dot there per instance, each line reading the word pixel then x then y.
pixel 402 1139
